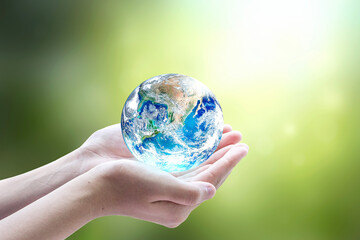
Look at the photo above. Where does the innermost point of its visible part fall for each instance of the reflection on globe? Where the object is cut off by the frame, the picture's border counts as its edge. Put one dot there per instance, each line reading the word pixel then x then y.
pixel 172 122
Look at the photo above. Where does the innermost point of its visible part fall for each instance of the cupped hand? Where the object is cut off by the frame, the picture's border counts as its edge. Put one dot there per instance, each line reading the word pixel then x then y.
pixel 132 188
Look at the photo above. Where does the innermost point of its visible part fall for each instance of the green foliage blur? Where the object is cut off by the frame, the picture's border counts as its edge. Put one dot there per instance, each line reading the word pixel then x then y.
pixel 286 74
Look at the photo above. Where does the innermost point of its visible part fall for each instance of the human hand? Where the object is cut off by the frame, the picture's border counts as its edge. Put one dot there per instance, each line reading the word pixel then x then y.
pixel 134 189
pixel 115 185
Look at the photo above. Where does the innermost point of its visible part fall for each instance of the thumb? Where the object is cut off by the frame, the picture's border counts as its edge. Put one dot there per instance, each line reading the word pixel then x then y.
pixel 190 193
pixel 207 190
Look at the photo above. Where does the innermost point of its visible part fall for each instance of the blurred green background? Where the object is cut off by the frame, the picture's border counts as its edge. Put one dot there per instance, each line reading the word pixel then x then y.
pixel 285 72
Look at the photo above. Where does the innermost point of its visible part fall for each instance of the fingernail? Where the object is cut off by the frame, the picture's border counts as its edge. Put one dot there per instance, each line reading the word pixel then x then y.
pixel 210 192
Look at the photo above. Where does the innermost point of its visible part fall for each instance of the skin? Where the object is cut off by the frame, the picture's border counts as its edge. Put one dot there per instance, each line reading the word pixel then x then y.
pixel 102 178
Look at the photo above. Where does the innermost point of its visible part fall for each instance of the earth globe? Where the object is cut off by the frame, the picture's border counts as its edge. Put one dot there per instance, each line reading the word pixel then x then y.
pixel 172 122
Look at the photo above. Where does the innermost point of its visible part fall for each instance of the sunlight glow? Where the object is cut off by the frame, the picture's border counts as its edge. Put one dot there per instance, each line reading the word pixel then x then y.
pixel 269 39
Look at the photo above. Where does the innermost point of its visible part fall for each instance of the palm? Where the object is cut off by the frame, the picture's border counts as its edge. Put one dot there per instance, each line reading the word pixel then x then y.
pixel 108 143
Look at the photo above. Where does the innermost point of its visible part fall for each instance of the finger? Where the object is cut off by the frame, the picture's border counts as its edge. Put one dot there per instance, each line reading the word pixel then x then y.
pixel 223 166
pixel 227 128
pixel 228 138
pixel 213 158
pixel 186 193
pixel 205 165
pixel 219 154
pixel 223 179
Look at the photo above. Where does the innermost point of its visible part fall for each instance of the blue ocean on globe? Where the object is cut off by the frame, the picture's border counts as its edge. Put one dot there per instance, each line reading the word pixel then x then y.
pixel 172 122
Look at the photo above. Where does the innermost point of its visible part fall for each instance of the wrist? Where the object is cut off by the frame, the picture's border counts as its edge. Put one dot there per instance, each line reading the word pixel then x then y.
pixel 90 179
pixel 79 172
pixel 83 160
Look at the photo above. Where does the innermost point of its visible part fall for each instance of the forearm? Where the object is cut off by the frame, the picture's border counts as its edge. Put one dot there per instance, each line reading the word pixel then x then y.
pixel 19 191
pixel 54 216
